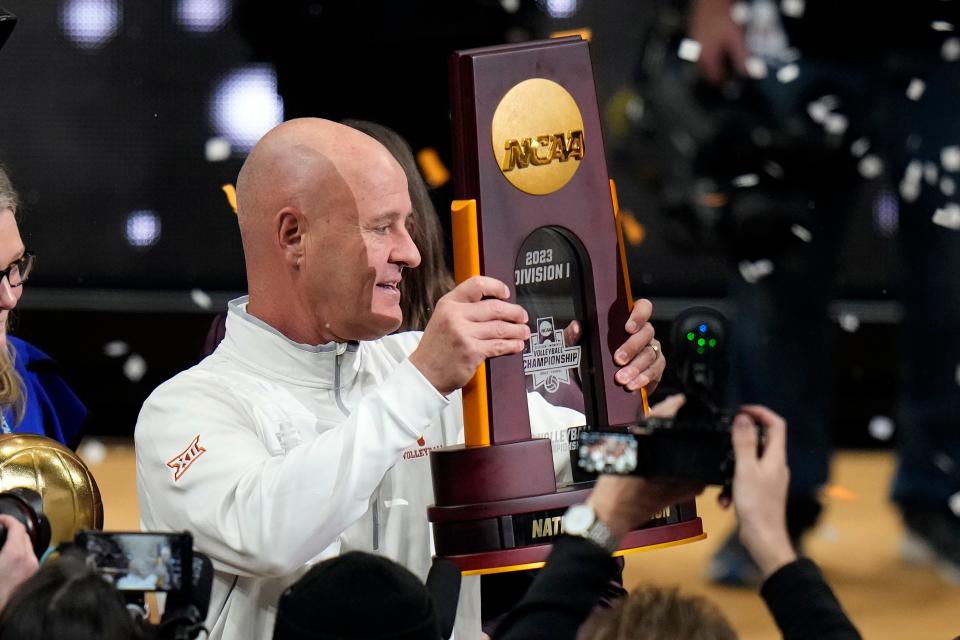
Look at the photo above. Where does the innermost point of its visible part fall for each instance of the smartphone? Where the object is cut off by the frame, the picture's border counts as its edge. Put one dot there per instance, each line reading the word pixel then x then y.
pixel 140 561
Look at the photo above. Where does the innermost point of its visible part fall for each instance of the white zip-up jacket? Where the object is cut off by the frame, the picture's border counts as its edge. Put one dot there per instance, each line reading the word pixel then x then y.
pixel 276 455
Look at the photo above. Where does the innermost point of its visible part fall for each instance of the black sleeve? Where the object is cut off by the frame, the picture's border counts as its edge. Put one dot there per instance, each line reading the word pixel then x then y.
pixel 803 604
pixel 564 593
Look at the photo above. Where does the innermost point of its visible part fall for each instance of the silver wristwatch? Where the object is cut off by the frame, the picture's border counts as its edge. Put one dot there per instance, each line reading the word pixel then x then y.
pixel 582 521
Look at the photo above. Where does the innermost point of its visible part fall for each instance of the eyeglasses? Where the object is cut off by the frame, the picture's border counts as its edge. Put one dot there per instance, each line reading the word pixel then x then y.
pixel 18 272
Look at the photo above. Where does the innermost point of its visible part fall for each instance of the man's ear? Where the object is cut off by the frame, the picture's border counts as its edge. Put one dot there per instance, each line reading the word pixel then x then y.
pixel 291 225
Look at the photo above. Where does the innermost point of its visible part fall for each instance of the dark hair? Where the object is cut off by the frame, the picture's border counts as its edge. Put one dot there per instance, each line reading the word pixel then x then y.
pixel 66 600
pixel 655 613
pixel 423 286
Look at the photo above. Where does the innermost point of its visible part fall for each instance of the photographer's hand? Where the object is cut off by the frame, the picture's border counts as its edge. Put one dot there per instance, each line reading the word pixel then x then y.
pixel 642 364
pixel 760 488
pixel 623 503
pixel 17 560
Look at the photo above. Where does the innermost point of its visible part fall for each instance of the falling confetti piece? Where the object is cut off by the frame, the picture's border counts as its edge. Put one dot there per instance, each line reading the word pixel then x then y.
pixel 930 172
pixel 217 149
pixel 756 68
pixel 870 166
pixel 753 272
pixel 881 428
pixel 689 50
pixel 801 232
pixel 201 299
pixel 849 322
pixel 837 492
pixel 820 108
pixel 395 502
pixel 740 12
pixel 954 504
pixel 948 217
pixel 836 124
pixel 950 158
pixel 829 534
pixel 773 169
pixel 945 463
pixel 746 180
pixel 116 349
pixel 135 367
pixel 793 8
pixel 941 25
pixel 231 192
pixel 92 451
pixel 633 231
pixel 950 51
pixel 957 376
pixel 634 108
pixel 859 147
pixel 788 73
pixel 948 186
pixel 916 88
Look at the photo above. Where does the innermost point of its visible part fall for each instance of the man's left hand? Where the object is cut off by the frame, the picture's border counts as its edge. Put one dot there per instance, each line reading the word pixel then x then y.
pixel 641 361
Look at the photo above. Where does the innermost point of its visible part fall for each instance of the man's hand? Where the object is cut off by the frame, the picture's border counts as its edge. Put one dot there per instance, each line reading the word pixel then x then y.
pixel 17 561
pixel 721 39
pixel 760 488
pixel 465 329
pixel 623 503
pixel 642 364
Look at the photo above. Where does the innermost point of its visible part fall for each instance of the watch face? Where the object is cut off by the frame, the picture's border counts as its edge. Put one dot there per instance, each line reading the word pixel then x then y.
pixel 578 519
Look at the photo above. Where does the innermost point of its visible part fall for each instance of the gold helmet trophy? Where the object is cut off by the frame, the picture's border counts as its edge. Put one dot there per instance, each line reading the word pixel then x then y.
pixel 46 485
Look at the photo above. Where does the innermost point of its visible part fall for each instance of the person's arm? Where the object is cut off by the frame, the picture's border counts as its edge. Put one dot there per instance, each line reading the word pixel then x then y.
pixel 256 513
pixel 17 560
pixel 800 600
pixel 721 39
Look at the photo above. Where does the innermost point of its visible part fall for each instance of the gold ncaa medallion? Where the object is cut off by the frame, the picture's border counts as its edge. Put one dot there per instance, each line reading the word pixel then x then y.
pixel 537 133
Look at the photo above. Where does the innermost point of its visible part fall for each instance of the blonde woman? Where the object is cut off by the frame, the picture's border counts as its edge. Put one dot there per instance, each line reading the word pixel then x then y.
pixel 33 396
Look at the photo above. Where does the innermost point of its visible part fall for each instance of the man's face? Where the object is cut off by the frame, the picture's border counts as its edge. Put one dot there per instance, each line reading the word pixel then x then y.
pixel 355 254
pixel 11 250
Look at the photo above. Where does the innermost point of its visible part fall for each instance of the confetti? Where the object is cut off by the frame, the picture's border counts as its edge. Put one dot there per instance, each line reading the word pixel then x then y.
pixel 916 88
pixel 836 124
pixel 870 166
pixel 802 232
pixel 201 298
pixel 135 367
pixel 948 216
pixel 954 503
pixel 634 108
pixel 746 180
pixel 948 186
pixel 950 51
pixel 849 322
pixel 788 73
pixel 395 502
pixel 740 12
pixel 945 463
pixel 950 158
pixel 773 169
pixel 689 50
pixel 753 272
pixel 859 147
pixel 756 68
pixel 92 451
pixel 684 142
pixel 510 6
pixel 881 428
pixel 941 25
pixel 793 8
pixel 910 185
pixel 930 172
pixel 820 108
pixel 218 149
pixel 116 349
pixel 829 534
pixel 957 376
pixel 839 493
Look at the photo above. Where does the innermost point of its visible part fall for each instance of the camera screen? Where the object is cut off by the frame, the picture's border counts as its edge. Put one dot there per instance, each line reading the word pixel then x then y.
pixel 137 561
pixel 607 452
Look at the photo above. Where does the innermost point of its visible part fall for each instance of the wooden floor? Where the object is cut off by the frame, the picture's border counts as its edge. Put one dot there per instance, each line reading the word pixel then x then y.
pixel 856 544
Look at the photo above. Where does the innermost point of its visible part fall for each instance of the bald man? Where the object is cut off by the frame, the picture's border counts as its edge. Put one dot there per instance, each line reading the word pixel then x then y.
pixel 305 433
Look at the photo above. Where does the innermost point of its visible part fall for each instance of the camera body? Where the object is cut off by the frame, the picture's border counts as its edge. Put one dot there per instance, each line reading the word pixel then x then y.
pixel 694 444
pixel 26 505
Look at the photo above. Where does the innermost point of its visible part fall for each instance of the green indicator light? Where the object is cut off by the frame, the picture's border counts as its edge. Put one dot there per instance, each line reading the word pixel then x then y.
pixel 713 342
pixel 701 342
pixel 690 336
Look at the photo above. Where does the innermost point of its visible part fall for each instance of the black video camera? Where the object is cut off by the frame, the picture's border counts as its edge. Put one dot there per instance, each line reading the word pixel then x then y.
pixel 695 444
pixel 26 505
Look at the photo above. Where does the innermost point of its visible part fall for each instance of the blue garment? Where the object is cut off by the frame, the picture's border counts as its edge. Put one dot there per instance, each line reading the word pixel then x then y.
pixel 52 409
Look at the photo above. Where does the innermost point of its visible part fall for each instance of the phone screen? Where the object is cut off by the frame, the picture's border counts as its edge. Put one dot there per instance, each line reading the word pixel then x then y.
pixel 138 561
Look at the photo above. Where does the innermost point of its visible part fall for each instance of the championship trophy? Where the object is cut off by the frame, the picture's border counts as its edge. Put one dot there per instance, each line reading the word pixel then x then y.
pixel 536 210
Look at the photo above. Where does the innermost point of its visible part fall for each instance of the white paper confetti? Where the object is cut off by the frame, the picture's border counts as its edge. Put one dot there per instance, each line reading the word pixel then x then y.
pixel 92 451
pixel 746 180
pixel 859 147
pixel 740 12
pixel 910 185
pixel 948 216
pixel 634 109
pixel 881 428
pixel 820 108
pixel 836 124
pixel 829 534
pixel 950 158
pixel 756 68
pixel 950 51
pixel 930 172
pixel 788 73
pixel 773 169
pixel 201 299
pixel 958 374
pixel 954 503
pixel 395 502
pixel 849 322
pixel 870 166
pixel 916 88
pixel 944 462
pixel 802 232
pixel 689 50
pixel 793 8
pixel 510 6
pixel 116 349
pixel 753 272
pixel 218 149
pixel 948 186
pixel 941 25
pixel 135 367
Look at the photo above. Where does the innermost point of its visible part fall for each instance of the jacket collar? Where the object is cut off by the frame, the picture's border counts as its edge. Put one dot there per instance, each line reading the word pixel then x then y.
pixel 263 348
